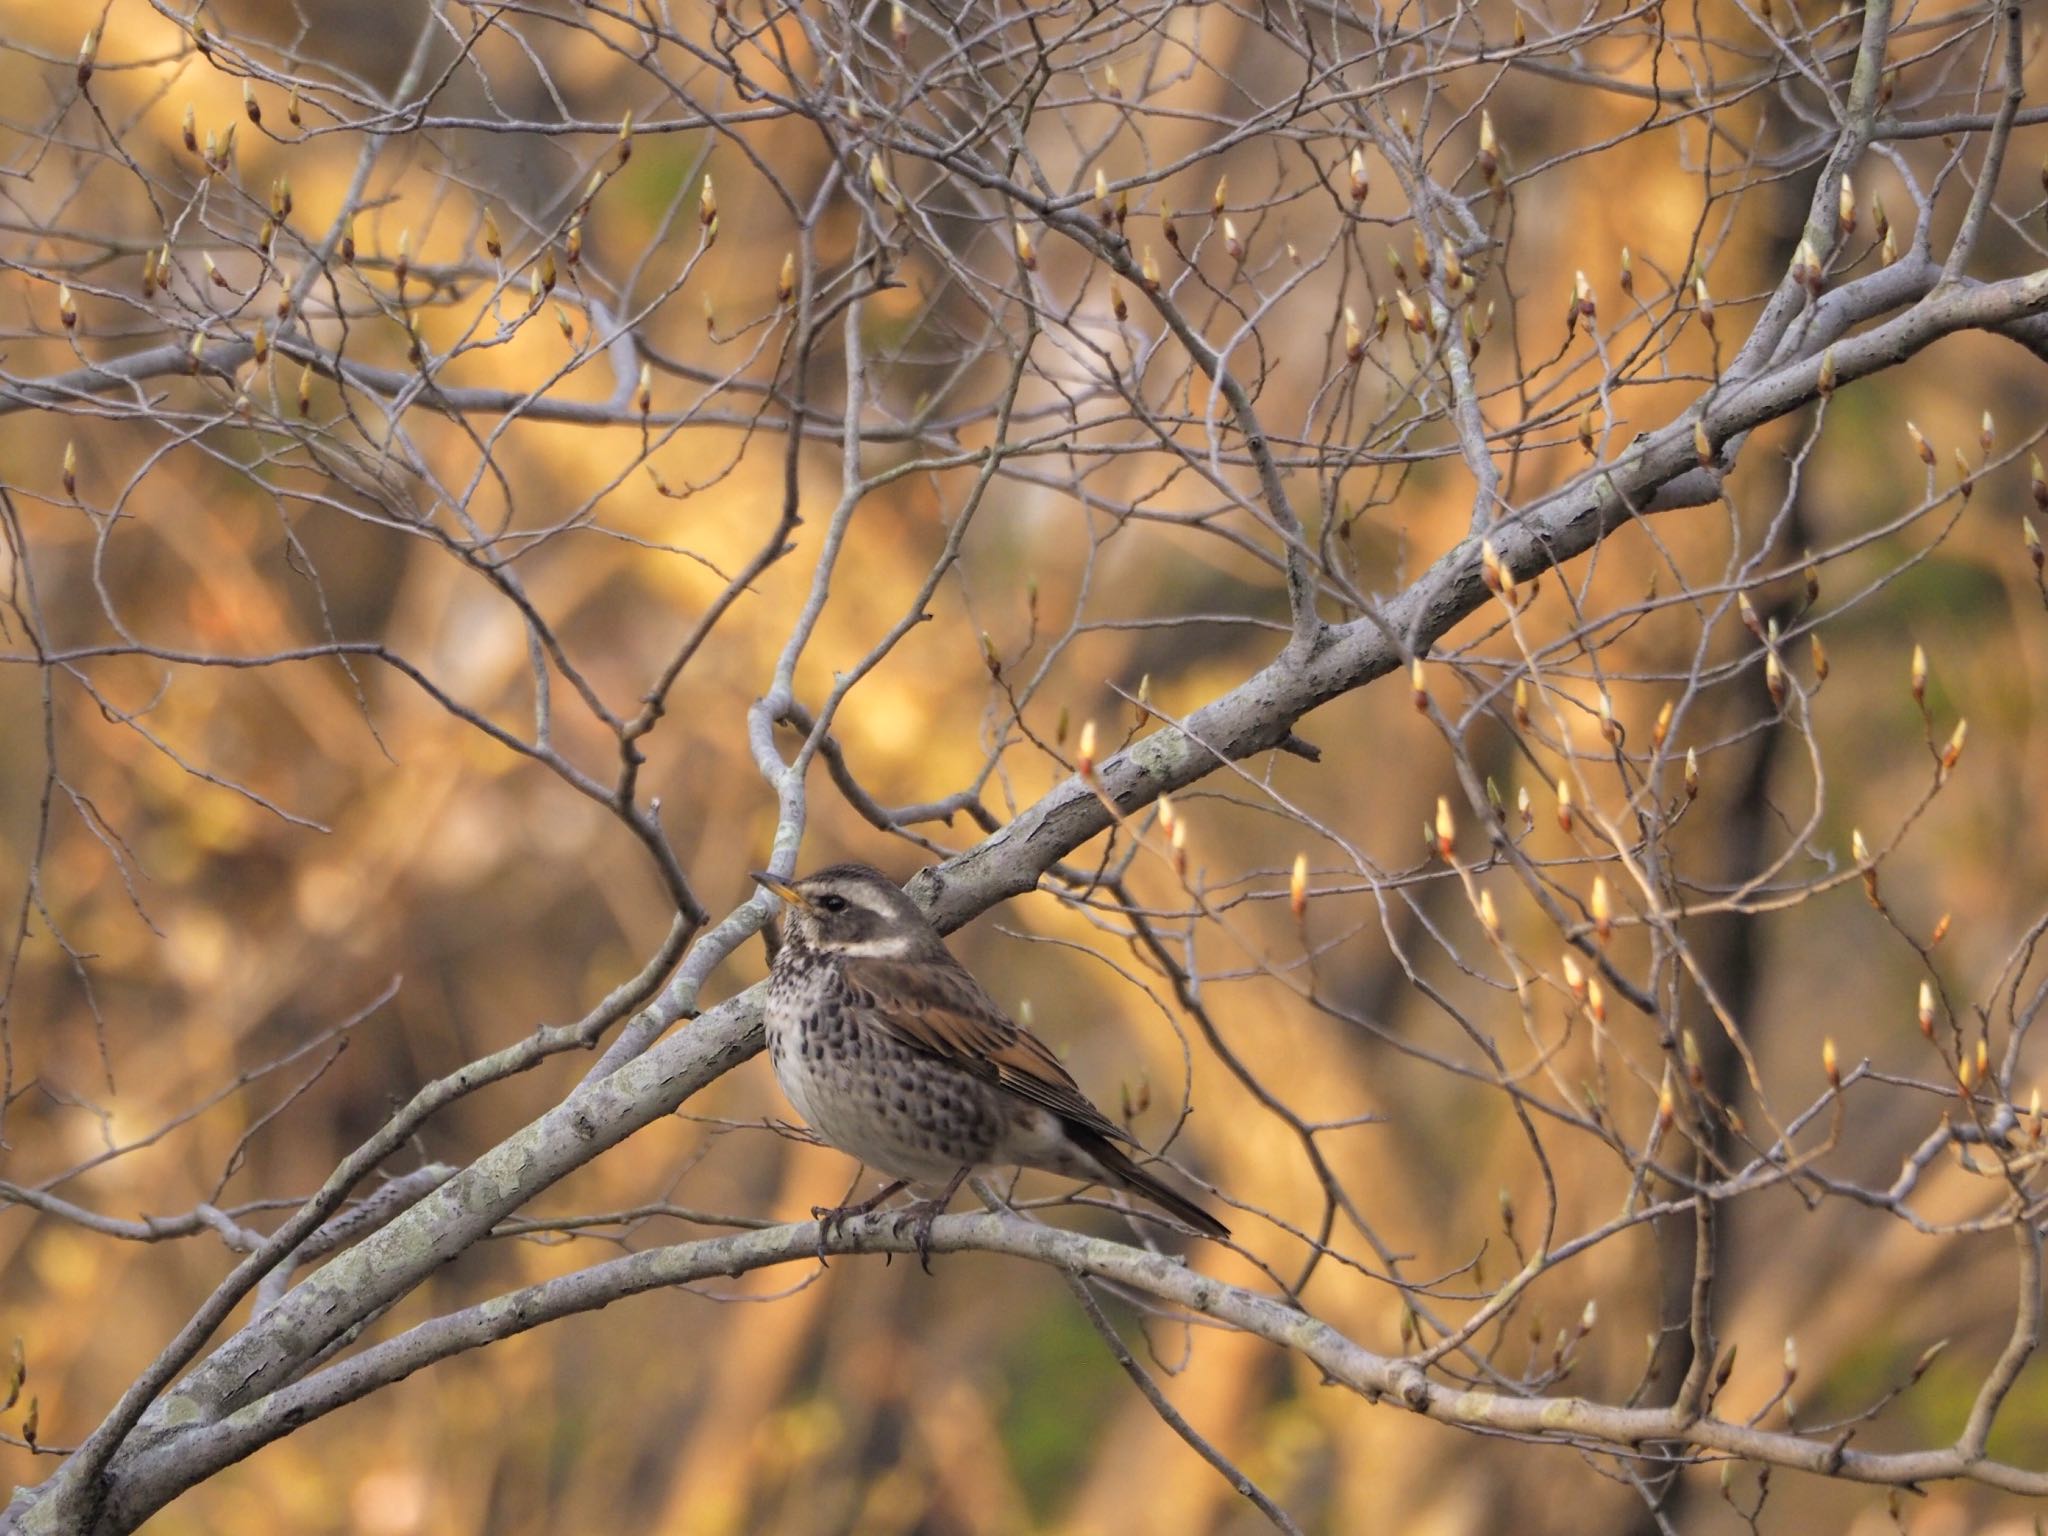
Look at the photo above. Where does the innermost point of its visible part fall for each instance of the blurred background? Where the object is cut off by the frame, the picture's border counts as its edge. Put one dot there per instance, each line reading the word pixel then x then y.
pixel 225 864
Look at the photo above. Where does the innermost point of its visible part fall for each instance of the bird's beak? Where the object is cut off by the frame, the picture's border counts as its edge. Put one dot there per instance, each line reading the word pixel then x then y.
pixel 781 888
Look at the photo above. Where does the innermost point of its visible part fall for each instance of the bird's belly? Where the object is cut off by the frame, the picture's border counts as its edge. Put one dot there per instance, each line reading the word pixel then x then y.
pixel 895 1110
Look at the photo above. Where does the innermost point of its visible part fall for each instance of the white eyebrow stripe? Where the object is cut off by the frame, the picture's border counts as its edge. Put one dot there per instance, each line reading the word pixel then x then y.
pixel 866 899
pixel 890 947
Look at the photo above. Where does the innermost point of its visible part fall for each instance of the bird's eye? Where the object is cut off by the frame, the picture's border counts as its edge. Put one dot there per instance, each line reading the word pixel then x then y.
pixel 832 903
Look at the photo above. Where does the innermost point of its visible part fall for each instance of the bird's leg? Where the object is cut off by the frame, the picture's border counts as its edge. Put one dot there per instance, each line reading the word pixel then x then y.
pixel 927 1212
pixel 831 1218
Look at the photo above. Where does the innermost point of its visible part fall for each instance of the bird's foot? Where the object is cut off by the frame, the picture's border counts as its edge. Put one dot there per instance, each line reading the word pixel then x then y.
pixel 832 1219
pixel 915 1221
pixel 923 1214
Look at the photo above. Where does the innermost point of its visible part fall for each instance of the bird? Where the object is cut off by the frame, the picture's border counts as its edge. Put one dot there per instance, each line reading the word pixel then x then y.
pixel 892 1052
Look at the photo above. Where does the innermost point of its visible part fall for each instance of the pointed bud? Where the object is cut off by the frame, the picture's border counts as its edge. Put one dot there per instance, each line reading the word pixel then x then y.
pixel 562 320
pixel 1820 657
pixel 1586 429
pixel 1596 1000
pixel 572 242
pixel 643 394
pixel 1926 1009
pixel 189 128
pixel 1167 812
pixel 1354 338
pixel 1423 265
pixel 1603 909
pixel 1774 677
pixel 1918 675
pixel 1921 447
pixel 1806 268
pixel 1233 247
pixel 1110 84
pixel 1409 313
pixel 1170 230
pixel 1667 1108
pixel 899 26
pixel 1702 449
pixel 1845 207
pixel 707 202
pixel 1454 265
pixel 1704 302
pixel 1297 888
pixel 1952 753
pixel 1489 565
pixel 306 390
pixel 70 469
pixel 785 281
pixel 1747 610
pixel 1417 685
pixel 1940 930
pixel 2037 482
pixel 1522 702
pixel 1117 306
pixel 1084 753
pixel 1446 828
pixel 249 104
pixel 1148 272
pixel 1627 275
pixel 1489 915
pixel 884 188
pixel 1574 975
pixel 1692 773
pixel 1829 1064
pixel 493 244
pixel 1661 730
pixel 1986 435
pixel 1177 840
pixel 1564 804
pixel 1825 384
pixel 1360 184
pixel 1582 295
pixel 1888 252
pixel 259 348
pixel 1219 197
pixel 1489 149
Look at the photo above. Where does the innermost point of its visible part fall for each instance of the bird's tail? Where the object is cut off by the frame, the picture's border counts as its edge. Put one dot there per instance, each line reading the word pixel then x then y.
pixel 1120 1170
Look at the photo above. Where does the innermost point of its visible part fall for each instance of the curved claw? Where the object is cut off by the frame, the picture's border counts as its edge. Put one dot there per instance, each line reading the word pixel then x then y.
pixel 832 1219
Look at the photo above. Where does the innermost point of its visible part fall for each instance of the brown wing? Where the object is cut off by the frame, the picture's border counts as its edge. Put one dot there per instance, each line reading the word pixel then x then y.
pixel 943 1011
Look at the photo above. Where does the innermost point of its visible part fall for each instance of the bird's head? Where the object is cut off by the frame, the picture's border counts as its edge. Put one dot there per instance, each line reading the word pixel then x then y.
pixel 851 909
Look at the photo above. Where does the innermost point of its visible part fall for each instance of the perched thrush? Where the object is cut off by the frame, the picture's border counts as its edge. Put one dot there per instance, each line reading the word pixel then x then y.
pixel 894 1053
